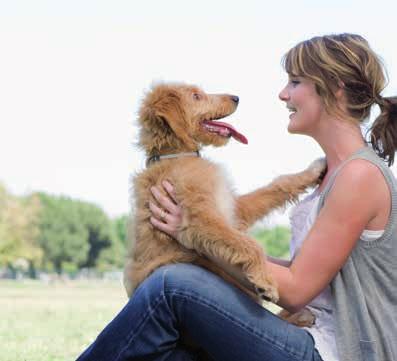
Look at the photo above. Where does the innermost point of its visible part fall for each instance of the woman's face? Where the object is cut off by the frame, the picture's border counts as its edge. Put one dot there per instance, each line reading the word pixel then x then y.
pixel 305 105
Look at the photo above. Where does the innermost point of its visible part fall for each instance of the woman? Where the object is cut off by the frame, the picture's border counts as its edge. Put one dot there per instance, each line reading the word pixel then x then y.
pixel 344 242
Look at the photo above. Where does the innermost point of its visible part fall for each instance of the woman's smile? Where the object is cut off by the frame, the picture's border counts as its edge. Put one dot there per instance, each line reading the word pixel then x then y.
pixel 304 104
pixel 292 111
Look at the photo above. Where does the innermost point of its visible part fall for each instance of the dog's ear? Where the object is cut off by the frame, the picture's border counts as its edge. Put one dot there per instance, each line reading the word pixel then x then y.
pixel 162 113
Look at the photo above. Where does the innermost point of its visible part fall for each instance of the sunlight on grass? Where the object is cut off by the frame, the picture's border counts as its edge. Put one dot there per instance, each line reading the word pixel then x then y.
pixel 54 322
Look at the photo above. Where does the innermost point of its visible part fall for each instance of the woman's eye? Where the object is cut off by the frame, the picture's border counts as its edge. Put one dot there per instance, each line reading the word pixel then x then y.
pixel 295 82
pixel 196 96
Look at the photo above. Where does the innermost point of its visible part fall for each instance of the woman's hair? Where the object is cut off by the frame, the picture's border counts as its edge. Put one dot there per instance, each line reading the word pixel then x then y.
pixel 346 61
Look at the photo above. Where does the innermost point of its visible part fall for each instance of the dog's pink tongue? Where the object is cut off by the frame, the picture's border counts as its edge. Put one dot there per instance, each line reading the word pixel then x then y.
pixel 235 134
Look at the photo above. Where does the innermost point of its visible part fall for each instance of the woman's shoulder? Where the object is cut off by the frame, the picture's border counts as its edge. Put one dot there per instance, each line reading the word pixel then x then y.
pixel 360 170
pixel 362 182
pixel 360 175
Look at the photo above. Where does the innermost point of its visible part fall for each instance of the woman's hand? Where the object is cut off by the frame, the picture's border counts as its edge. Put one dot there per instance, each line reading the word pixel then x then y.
pixel 167 217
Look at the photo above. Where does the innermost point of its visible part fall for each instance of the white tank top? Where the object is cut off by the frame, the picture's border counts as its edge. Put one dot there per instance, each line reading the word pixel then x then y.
pixel 302 217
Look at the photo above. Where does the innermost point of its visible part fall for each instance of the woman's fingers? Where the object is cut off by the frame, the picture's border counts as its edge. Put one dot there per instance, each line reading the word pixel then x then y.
pixel 165 202
pixel 162 226
pixel 167 215
pixel 163 221
pixel 170 190
pixel 159 213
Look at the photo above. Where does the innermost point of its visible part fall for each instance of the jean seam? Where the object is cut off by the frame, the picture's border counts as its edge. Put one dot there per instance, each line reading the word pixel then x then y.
pixel 134 332
pixel 262 337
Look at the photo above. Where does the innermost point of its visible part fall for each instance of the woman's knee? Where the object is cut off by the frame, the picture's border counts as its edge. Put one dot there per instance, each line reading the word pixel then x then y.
pixel 186 276
pixel 173 278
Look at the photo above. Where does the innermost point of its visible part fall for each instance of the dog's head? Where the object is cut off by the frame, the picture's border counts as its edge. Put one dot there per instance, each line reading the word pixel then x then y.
pixel 179 117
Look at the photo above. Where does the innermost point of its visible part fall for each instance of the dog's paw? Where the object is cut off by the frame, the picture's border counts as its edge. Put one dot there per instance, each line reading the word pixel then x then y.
pixel 317 169
pixel 305 318
pixel 268 292
pixel 264 285
pixel 302 318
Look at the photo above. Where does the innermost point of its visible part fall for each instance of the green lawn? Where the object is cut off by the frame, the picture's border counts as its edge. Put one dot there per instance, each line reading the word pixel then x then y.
pixel 55 322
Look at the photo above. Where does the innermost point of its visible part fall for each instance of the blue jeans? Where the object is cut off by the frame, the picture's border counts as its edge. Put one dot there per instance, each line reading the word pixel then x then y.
pixel 184 312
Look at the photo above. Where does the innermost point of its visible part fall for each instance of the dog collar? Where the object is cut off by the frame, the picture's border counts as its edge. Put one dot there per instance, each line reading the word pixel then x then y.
pixel 157 157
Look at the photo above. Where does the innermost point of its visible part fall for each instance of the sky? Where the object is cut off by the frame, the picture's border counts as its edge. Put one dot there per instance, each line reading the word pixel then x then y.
pixel 73 73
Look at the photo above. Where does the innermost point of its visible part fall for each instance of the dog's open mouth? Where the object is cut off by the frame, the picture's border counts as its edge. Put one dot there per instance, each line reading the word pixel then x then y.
pixel 224 130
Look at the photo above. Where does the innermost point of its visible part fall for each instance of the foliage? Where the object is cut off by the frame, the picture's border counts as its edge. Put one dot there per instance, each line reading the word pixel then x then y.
pixel 275 240
pixel 100 235
pixel 57 233
pixel 18 229
pixel 113 256
pixel 63 236
pixel 120 228
pixel 77 234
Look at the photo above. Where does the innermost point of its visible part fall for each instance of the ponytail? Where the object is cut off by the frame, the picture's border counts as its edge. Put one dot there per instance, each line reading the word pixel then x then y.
pixel 384 129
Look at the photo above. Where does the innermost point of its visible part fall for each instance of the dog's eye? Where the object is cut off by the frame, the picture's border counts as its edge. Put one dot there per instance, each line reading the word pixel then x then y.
pixel 196 96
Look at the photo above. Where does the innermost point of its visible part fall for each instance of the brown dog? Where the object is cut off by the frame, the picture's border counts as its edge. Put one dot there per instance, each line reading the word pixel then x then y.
pixel 176 120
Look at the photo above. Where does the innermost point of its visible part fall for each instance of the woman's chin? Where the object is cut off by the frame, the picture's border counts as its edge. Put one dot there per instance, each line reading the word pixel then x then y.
pixel 292 128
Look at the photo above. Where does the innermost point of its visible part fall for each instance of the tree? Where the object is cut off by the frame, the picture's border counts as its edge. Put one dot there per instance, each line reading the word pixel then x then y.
pixel 63 236
pixel 58 233
pixel 120 228
pixel 101 235
pixel 77 234
pixel 114 255
pixel 19 229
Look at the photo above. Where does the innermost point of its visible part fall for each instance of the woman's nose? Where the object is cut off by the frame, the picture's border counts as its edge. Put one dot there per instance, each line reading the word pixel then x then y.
pixel 283 95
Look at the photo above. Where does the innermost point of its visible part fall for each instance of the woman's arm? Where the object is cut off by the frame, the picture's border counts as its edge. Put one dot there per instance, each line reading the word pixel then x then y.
pixel 358 195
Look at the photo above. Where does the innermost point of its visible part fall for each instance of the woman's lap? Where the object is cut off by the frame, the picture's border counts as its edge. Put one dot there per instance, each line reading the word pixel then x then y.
pixel 189 301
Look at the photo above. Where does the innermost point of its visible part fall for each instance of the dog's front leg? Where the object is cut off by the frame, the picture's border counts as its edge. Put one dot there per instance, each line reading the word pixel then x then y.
pixel 209 235
pixel 255 205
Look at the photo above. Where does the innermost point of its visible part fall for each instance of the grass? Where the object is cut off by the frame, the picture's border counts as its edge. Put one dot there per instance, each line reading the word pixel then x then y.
pixel 54 322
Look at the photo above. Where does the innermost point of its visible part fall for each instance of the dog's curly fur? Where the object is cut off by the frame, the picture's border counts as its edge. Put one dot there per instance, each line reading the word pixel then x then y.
pixel 215 219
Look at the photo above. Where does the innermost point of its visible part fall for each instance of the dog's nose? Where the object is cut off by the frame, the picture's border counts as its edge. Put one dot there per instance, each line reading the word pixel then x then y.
pixel 235 98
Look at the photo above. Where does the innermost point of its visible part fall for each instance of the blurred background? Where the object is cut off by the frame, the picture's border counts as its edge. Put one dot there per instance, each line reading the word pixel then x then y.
pixel 72 75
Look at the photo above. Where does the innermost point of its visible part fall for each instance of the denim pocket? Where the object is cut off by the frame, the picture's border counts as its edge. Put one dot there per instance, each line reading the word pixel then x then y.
pixel 368 350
